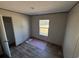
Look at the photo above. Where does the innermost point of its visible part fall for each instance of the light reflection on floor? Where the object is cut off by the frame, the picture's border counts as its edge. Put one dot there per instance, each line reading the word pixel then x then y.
pixel 37 43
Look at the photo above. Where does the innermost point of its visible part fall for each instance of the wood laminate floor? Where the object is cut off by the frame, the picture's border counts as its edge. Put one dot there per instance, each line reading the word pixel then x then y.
pixel 26 50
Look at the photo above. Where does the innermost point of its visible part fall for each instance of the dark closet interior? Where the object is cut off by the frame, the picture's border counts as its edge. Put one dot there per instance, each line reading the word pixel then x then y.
pixel 9 29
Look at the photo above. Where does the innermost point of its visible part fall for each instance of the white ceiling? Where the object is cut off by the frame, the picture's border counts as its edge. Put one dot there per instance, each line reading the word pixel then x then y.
pixel 37 7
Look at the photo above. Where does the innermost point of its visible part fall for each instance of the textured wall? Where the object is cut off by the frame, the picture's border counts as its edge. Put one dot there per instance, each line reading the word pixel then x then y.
pixel 20 25
pixel 56 27
pixel 71 42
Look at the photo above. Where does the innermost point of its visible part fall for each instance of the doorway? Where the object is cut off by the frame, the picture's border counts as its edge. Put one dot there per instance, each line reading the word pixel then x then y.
pixel 9 29
pixel 7 35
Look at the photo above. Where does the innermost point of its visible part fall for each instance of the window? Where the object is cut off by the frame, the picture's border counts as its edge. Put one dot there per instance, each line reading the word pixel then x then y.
pixel 43 27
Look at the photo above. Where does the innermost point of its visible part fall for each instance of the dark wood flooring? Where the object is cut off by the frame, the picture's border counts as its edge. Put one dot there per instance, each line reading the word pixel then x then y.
pixel 26 50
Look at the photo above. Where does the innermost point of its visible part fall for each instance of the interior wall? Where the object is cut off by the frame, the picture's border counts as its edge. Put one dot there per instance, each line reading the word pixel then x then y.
pixel 20 25
pixel 71 42
pixel 56 27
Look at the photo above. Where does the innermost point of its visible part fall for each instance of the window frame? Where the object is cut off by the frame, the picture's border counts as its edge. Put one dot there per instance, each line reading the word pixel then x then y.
pixel 43 27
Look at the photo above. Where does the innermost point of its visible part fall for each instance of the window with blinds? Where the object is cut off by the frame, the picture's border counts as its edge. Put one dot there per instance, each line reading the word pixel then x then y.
pixel 43 27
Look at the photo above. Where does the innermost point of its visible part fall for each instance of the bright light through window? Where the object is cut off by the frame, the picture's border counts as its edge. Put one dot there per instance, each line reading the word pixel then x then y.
pixel 43 27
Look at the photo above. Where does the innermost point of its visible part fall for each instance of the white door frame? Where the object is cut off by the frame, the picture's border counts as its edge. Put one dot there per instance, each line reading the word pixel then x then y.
pixel 4 40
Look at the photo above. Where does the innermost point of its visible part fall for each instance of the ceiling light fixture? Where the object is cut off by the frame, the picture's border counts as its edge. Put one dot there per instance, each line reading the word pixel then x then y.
pixel 32 7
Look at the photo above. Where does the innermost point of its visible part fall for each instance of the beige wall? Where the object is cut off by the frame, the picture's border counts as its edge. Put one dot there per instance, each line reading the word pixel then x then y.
pixel 56 27
pixel 71 42
pixel 20 25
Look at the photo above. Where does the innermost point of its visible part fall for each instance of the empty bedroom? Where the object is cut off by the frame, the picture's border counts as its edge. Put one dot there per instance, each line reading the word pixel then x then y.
pixel 39 29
